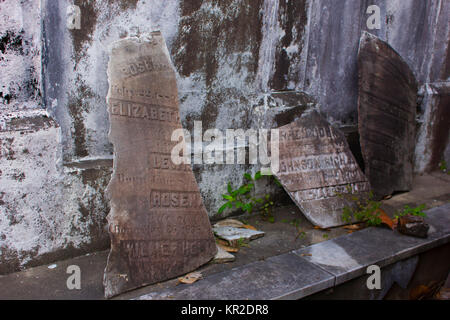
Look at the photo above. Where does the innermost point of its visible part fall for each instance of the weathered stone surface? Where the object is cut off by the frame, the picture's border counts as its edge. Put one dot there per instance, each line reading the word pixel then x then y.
pixel 277 45
pixel 413 226
pixel 286 276
pixel 158 225
pixel 232 235
pixel 387 111
pixel 348 256
pixel 433 139
pixel 316 165
pixel 230 223
pixel 222 256
pixel 47 212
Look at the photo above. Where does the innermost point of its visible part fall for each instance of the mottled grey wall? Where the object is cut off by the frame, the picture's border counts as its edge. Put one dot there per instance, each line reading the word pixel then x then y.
pixel 230 56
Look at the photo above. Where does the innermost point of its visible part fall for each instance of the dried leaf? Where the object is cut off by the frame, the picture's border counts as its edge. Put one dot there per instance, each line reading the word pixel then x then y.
pixel 228 248
pixel 385 218
pixel 306 255
pixel 190 278
pixel 247 226
pixel 322 229
pixel 419 292
pixel 354 227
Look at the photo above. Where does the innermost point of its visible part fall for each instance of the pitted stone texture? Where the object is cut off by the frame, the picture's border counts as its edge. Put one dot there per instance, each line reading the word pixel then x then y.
pixel 413 226
pixel 348 256
pixel 233 235
pixel 282 277
pixel 158 225
pixel 316 165
pixel 387 113
pixel 223 256
pixel 433 137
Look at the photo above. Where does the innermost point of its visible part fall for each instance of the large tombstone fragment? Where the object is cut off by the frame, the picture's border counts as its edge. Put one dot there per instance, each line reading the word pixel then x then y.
pixel 387 111
pixel 316 166
pixel 158 225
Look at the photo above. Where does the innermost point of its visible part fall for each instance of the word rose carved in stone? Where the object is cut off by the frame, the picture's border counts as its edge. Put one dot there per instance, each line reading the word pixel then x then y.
pixel 158 225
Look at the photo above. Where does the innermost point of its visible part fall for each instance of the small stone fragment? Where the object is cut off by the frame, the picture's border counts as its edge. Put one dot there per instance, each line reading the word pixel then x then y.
pixel 413 226
pixel 230 223
pixel 233 235
pixel 222 256
pixel 190 278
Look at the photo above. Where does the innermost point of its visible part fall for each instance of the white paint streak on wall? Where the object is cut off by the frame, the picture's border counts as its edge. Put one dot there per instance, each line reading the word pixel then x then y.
pixel 271 33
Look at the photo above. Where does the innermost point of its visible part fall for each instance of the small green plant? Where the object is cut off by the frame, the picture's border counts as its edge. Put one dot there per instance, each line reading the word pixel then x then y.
pixel 296 223
pixel 407 210
pixel 443 167
pixel 241 243
pixel 363 208
pixel 242 198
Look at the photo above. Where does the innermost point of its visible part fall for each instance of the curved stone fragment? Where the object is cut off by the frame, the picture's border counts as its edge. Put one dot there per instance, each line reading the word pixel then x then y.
pixel 387 106
pixel 318 170
pixel 158 225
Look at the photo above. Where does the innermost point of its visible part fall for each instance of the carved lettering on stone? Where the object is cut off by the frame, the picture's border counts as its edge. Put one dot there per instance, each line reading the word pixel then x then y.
pixel 158 225
pixel 387 113
pixel 316 165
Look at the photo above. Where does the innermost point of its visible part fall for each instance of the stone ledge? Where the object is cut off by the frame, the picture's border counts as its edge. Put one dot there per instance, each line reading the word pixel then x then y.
pixel 27 121
pixel 321 266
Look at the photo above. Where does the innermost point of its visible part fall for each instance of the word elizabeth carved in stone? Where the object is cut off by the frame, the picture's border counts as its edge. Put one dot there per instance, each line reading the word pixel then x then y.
pixel 387 113
pixel 158 225
pixel 316 166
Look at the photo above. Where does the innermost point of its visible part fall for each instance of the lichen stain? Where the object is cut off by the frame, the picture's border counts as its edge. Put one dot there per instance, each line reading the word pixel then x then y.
pixel 125 4
pixel 82 36
pixel 9 260
pixel 207 36
pixel 292 15
pixel 77 105
pixel 98 179
pixel 6 149
pixel 11 41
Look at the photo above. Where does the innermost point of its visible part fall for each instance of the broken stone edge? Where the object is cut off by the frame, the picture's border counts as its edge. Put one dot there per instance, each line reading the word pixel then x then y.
pixel 109 292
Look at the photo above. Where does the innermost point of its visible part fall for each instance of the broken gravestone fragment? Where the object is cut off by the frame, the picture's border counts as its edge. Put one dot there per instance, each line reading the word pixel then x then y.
pixel 223 256
pixel 413 226
pixel 387 111
pixel 158 225
pixel 316 166
pixel 234 235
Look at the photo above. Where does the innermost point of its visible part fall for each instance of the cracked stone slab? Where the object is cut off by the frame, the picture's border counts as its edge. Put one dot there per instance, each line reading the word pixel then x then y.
pixel 232 234
pixel 158 225
pixel 387 106
pixel 223 256
pixel 348 256
pixel 315 166
pixel 282 277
